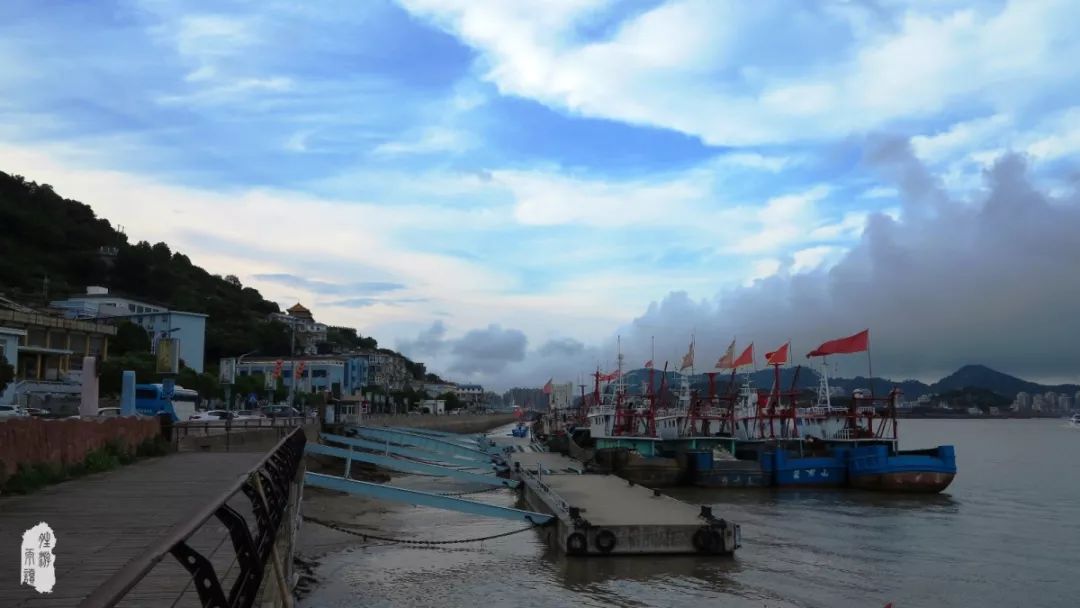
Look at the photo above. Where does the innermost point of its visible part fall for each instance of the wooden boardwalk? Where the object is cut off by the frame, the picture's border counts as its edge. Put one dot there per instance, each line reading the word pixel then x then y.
pixel 102 521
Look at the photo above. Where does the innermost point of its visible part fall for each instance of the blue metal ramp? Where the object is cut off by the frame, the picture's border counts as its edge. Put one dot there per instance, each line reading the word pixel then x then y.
pixel 416 497
pixel 414 453
pixel 422 441
pixel 408 466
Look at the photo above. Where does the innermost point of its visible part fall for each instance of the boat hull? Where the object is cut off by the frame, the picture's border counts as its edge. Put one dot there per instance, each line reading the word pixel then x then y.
pixel 824 471
pixel 927 471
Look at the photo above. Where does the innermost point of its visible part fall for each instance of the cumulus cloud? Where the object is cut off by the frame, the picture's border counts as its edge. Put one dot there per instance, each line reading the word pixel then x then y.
pixel 561 347
pixel 698 66
pixel 489 350
pixel 479 353
pixel 327 287
pixel 945 283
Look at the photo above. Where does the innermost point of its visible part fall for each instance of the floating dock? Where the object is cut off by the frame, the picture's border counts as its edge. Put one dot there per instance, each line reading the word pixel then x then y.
pixel 608 515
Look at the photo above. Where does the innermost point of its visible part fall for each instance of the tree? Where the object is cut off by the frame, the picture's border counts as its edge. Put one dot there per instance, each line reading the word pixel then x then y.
pixel 233 280
pixel 7 373
pixel 130 338
pixel 452 401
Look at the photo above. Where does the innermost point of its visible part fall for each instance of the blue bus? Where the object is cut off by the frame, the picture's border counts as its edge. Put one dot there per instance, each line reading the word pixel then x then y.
pixel 149 402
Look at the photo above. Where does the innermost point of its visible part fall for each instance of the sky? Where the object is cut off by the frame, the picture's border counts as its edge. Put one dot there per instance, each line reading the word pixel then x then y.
pixel 508 192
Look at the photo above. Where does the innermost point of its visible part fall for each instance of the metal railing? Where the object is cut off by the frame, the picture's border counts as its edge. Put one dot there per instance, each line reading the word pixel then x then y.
pixel 266 485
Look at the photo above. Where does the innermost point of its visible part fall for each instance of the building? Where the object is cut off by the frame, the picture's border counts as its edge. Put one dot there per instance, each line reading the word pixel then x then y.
pixel 561 397
pixel 1022 403
pixel 1038 404
pixel 386 369
pixel 47 350
pixel 435 389
pixel 339 375
pixel 471 395
pixel 433 406
pixel 188 328
pixel 307 332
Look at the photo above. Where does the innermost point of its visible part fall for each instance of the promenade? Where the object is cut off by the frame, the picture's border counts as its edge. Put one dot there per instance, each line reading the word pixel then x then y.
pixel 102 521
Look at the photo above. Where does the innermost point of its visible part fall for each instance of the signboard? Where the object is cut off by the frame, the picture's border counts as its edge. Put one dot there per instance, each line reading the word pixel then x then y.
pixel 227 371
pixel 168 356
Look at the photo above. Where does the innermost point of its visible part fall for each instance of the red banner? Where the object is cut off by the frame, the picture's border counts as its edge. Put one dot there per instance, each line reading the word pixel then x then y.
pixel 746 358
pixel 727 360
pixel 858 343
pixel 778 356
pixel 547 387
pixel 648 364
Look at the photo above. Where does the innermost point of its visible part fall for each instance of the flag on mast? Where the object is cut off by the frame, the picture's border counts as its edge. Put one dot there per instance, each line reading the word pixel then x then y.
pixel 648 364
pixel 548 386
pixel 688 358
pixel 778 356
pixel 746 358
pixel 857 343
pixel 727 360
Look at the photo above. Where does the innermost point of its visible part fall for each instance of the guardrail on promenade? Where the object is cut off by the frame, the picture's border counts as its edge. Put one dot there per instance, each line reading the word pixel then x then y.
pixel 267 487
pixel 209 428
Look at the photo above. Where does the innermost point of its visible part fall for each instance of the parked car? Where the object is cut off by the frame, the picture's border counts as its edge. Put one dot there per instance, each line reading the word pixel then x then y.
pixel 108 412
pixel 211 415
pixel 249 415
pixel 280 411
pixel 12 411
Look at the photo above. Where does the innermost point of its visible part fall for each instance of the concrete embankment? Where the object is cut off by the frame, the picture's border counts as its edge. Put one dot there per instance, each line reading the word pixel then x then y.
pixel 464 423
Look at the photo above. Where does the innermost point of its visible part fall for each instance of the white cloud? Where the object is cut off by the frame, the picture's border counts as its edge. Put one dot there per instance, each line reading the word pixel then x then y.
pixel 427 141
pixel 695 66
pixel 961 138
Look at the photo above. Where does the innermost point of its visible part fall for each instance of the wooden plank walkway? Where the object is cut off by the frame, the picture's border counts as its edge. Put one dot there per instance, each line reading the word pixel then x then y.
pixel 102 521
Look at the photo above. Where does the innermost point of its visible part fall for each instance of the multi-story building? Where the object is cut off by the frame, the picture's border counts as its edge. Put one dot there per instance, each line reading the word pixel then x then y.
pixel 1038 403
pixel 386 369
pixel 307 332
pixel 47 350
pixel 339 375
pixel 471 395
pixel 1064 403
pixel 1022 403
pixel 188 328
pixel 561 397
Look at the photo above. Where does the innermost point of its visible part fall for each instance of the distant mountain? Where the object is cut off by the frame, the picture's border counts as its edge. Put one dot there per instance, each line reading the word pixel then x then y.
pixel 977 377
pixel 980 376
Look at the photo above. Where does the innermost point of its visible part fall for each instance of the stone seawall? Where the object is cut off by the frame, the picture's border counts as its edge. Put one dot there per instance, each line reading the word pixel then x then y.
pixel 465 423
pixel 27 441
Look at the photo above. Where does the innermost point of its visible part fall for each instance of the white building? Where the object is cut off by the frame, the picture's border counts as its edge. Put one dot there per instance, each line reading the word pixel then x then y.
pixel 1022 403
pixel 307 332
pixel 561 397
pixel 433 406
pixel 9 351
pixel 97 304
pixel 470 395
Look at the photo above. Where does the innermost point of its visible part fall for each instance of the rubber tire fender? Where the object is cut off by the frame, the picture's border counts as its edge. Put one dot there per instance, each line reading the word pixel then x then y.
pixel 577 544
pixel 605 541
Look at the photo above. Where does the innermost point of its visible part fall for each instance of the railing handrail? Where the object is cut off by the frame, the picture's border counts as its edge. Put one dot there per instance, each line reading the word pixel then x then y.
pixel 124 580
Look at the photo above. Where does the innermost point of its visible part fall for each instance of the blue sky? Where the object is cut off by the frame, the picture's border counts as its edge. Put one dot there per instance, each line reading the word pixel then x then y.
pixel 437 172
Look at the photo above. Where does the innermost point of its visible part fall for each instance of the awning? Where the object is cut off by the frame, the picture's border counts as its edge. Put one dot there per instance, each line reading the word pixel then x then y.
pixel 40 350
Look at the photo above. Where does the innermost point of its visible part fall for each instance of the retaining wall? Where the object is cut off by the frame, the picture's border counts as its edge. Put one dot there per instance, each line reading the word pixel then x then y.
pixel 66 442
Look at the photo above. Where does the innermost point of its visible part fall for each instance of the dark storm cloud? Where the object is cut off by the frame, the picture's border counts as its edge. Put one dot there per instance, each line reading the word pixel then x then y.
pixel 561 347
pixel 994 280
pixel 489 350
pixel 480 352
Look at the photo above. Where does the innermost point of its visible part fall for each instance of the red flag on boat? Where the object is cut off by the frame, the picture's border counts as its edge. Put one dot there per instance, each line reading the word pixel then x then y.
pixel 648 364
pixel 746 358
pixel 727 360
pixel 547 387
pixel 852 344
pixel 609 377
pixel 778 356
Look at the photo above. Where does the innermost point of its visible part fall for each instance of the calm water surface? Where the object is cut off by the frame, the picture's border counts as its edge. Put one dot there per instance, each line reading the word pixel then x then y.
pixel 1005 533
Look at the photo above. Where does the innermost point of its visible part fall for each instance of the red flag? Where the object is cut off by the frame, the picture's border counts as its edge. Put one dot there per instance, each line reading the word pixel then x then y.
pixel 727 360
pixel 609 377
pixel 778 356
pixel 648 364
pixel 746 358
pixel 547 387
pixel 851 344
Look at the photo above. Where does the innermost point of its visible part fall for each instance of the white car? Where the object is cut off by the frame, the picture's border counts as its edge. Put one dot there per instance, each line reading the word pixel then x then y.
pixel 108 412
pixel 210 415
pixel 12 411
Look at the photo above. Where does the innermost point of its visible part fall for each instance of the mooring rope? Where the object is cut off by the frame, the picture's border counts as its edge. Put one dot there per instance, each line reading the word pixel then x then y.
pixel 407 541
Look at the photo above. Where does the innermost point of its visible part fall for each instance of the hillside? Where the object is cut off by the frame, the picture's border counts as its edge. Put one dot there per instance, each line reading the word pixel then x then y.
pixel 52 247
